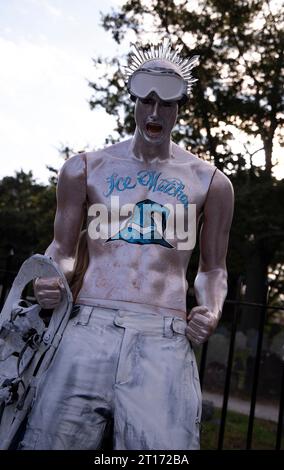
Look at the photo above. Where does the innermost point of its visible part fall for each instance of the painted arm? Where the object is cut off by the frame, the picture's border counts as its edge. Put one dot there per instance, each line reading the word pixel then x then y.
pixel 210 284
pixel 71 197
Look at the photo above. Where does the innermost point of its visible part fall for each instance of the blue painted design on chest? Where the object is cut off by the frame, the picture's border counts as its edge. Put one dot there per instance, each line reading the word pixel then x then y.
pixel 140 228
pixel 151 179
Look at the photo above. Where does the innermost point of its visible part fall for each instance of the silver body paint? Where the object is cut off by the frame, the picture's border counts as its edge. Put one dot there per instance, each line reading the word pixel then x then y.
pixel 138 369
pixel 132 367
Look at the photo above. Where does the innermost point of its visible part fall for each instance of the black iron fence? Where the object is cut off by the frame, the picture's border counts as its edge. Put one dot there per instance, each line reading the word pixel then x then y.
pixel 235 309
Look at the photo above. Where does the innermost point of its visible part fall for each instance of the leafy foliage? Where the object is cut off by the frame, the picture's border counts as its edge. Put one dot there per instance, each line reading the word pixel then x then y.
pixel 27 212
pixel 240 81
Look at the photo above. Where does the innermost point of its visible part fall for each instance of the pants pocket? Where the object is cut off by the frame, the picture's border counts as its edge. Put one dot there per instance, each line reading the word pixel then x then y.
pixel 83 316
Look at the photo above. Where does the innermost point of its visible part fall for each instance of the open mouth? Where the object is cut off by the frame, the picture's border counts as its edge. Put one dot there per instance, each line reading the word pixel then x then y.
pixel 153 128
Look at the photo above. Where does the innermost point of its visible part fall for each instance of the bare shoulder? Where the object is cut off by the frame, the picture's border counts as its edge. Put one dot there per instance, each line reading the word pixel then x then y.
pixel 185 156
pixel 219 182
pixel 221 185
pixel 71 186
pixel 115 150
pixel 118 149
pixel 74 166
pixel 219 204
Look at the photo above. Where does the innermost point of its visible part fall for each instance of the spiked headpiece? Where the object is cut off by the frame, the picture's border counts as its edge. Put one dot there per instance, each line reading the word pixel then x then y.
pixel 163 51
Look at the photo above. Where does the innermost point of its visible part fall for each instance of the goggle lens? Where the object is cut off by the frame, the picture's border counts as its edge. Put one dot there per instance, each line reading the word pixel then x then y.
pixel 169 87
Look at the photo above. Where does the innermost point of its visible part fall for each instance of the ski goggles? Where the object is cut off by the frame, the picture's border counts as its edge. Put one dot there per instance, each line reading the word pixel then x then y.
pixel 167 84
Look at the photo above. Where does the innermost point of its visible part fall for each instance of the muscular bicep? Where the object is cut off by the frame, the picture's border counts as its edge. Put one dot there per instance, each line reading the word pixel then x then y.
pixel 217 219
pixel 71 200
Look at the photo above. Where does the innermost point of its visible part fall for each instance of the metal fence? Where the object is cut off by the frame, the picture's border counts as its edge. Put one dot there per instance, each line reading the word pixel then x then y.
pixel 236 306
pixel 263 308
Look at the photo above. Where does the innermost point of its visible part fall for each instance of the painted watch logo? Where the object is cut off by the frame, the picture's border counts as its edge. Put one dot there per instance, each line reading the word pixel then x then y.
pixel 142 227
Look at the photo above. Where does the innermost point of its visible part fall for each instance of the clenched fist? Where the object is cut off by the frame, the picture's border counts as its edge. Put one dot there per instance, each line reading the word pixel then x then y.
pixel 201 324
pixel 48 291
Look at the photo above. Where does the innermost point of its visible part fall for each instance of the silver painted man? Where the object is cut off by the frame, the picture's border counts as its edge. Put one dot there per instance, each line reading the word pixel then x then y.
pixel 127 355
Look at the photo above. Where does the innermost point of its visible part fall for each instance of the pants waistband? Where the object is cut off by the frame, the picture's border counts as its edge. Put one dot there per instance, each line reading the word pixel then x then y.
pixel 148 323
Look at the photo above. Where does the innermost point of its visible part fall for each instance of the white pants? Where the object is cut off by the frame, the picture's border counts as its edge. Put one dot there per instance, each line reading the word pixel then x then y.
pixel 137 369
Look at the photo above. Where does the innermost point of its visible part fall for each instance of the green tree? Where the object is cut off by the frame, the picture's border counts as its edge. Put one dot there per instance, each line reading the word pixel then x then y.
pixel 27 212
pixel 240 81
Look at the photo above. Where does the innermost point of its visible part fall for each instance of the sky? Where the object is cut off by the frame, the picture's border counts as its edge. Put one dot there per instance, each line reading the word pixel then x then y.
pixel 46 51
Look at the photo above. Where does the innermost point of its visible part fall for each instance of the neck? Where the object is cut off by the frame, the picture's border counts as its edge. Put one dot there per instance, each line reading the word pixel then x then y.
pixel 149 152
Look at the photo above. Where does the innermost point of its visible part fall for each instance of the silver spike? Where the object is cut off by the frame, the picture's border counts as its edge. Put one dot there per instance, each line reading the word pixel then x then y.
pixel 133 58
pixel 152 48
pixel 192 62
pixel 146 56
pixel 138 52
pixel 176 53
pixel 143 55
pixel 185 63
pixel 138 57
pixel 164 49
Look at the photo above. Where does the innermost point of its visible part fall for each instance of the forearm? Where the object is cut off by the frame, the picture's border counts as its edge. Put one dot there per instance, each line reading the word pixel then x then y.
pixel 211 288
pixel 65 260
